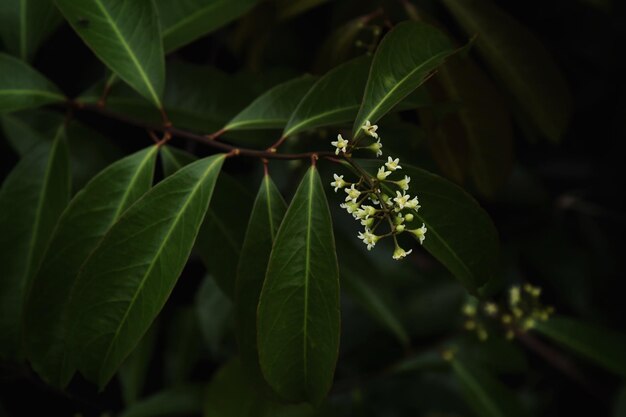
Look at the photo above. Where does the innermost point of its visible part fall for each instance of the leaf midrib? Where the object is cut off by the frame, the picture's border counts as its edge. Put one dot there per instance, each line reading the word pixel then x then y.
pixel 130 52
pixel 255 123
pixel 38 211
pixel 306 274
pixel 19 92
pixel 397 85
pixel 292 129
pixel 166 32
pixel 131 183
pixel 433 231
pixel 115 217
pixel 477 388
pixel 165 240
pixel 268 200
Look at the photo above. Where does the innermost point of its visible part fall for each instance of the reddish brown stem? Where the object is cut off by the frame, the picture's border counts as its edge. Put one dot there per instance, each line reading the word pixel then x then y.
pixel 173 131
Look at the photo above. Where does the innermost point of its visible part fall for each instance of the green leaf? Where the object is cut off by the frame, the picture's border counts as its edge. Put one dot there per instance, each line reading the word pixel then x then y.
pixel 182 22
pixel 272 109
pixel 179 401
pixel 221 236
pixel 360 279
pixel 80 229
pixel 604 347
pixel 267 214
pixel 22 87
pixel 134 371
pixel 25 24
pixel 298 315
pixel 520 61
pixel 214 311
pixel 231 393
pixel 90 152
pixel 487 396
pixel 125 282
pixel 404 60
pixel 335 98
pixel 378 308
pixel 460 234
pixel 173 159
pixel 31 200
pixel 126 36
pixel 184 99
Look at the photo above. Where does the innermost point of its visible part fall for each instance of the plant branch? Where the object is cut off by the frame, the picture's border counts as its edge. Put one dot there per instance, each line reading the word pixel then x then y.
pixel 207 140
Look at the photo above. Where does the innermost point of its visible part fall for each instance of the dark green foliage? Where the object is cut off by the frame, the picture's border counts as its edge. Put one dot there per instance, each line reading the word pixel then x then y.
pixel 135 288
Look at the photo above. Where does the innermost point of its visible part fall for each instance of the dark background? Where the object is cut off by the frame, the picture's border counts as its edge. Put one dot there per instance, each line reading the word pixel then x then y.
pixel 571 240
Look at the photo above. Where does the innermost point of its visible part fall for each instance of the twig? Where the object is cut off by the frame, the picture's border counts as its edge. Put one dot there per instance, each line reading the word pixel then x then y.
pixel 207 140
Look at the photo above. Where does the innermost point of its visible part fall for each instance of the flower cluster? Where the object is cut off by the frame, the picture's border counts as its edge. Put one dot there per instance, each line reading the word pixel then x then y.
pixel 378 201
pixel 519 313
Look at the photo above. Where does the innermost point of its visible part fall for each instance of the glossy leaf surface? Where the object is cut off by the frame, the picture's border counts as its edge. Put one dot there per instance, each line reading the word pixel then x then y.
pixel 272 109
pixel 267 214
pixel 90 151
pixel 22 87
pixel 25 24
pixel 220 238
pixel 403 61
pixel 81 227
pixel 184 21
pixel 335 98
pixel 32 198
pixel 125 282
pixel 460 233
pixel 298 315
pixel 126 36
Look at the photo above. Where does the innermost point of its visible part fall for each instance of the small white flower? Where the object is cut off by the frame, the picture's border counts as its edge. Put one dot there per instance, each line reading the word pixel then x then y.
pixel 353 193
pixel 365 212
pixel 401 200
pixel 382 174
pixel 341 144
pixel 400 253
pixel 420 233
pixel 368 238
pixel 367 222
pixel 350 207
pixel 404 184
pixel 393 164
pixel 376 147
pixel 338 183
pixel 370 129
pixel 412 204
